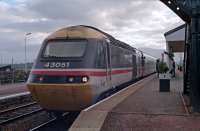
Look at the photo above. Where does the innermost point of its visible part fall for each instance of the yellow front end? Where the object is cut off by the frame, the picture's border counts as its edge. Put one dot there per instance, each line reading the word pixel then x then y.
pixel 62 97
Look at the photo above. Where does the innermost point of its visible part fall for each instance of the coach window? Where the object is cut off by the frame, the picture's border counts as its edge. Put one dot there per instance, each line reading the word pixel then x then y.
pixel 115 57
pixel 122 58
pixel 128 58
pixel 101 56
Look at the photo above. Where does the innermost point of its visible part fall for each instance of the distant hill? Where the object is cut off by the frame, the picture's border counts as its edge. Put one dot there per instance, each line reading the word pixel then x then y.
pixel 153 52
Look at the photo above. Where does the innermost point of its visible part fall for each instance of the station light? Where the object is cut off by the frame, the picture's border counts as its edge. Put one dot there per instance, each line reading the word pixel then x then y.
pixel 169 2
pixel 178 8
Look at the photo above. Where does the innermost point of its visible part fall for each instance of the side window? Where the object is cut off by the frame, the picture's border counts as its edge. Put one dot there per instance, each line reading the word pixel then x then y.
pixel 115 57
pixel 101 56
pixel 120 57
pixel 127 58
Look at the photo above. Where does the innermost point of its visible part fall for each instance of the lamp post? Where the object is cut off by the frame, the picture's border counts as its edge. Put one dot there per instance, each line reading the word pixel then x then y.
pixel 1 59
pixel 25 40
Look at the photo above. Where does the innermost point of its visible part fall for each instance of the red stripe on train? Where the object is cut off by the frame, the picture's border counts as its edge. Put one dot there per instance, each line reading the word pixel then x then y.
pixel 89 73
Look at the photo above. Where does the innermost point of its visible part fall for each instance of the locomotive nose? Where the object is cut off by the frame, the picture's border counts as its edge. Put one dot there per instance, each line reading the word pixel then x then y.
pixel 66 97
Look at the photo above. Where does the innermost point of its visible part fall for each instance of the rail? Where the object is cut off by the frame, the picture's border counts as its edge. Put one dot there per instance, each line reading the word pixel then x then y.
pixel 13 114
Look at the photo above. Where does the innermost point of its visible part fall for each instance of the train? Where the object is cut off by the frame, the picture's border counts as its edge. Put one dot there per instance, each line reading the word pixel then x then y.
pixel 77 65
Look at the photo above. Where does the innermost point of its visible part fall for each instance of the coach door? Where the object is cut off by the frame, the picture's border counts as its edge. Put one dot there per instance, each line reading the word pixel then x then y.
pixel 108 65
pixel 134 64
pixel 143 64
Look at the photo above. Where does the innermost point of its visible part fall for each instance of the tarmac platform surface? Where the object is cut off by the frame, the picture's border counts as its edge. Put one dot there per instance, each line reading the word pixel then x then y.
pixel 145 109
pixel 151 110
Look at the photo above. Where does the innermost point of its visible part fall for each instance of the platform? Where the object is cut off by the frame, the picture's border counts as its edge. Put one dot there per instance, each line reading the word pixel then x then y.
pixel 11 89
pixel 141 107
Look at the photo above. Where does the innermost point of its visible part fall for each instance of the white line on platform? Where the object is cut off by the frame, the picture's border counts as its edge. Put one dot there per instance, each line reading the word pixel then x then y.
pixel 90 107
pixel 184 104
pixel 14 95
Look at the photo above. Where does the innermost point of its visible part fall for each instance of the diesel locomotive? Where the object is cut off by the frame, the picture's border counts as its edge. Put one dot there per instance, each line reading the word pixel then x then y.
pixel 77 65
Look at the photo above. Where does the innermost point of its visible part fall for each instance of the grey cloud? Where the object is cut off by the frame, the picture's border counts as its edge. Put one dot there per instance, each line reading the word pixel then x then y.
pixel 36 26
pixel 132 21
pixel 12 45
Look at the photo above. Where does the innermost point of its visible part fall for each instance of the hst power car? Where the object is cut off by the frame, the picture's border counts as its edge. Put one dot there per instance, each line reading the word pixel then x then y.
pixel 77 65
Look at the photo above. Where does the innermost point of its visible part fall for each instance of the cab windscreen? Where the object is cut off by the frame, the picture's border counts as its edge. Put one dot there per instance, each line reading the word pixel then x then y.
pixel 65 49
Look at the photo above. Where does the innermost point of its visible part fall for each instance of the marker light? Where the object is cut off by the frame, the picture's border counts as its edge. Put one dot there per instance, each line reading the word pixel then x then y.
pixel 84 79
pixel 71 79
pixel 41 79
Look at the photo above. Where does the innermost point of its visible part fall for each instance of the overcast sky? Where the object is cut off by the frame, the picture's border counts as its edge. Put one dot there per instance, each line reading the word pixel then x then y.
pixel 140 23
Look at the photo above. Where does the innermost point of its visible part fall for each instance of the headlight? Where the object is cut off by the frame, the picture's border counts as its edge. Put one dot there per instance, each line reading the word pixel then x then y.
pixel 85 79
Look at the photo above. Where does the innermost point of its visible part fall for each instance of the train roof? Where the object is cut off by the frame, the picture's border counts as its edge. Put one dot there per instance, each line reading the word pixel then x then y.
pixel 79 31
pixel 86 32
pixel 111 38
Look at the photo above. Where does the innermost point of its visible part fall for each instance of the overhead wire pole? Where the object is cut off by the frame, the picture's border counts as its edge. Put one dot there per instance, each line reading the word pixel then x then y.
pixel 189 11
pixel 1 56
pixel 1 59
pixel 12 69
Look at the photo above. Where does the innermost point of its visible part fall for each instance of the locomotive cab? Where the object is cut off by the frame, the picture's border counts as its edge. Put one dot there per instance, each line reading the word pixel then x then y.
pixel 63 69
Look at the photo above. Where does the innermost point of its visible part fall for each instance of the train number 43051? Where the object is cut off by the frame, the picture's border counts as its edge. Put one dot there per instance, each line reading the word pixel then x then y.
pixel 56 65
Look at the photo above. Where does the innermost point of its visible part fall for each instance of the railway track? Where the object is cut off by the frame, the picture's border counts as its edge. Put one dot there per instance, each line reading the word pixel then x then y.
pixel 61 123
pixel 11 101
pixel 13 114
pixel 46 124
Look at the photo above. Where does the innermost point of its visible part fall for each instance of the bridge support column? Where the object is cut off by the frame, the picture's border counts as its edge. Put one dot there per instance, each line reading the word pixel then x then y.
pixel 195 61
pixel 186 60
